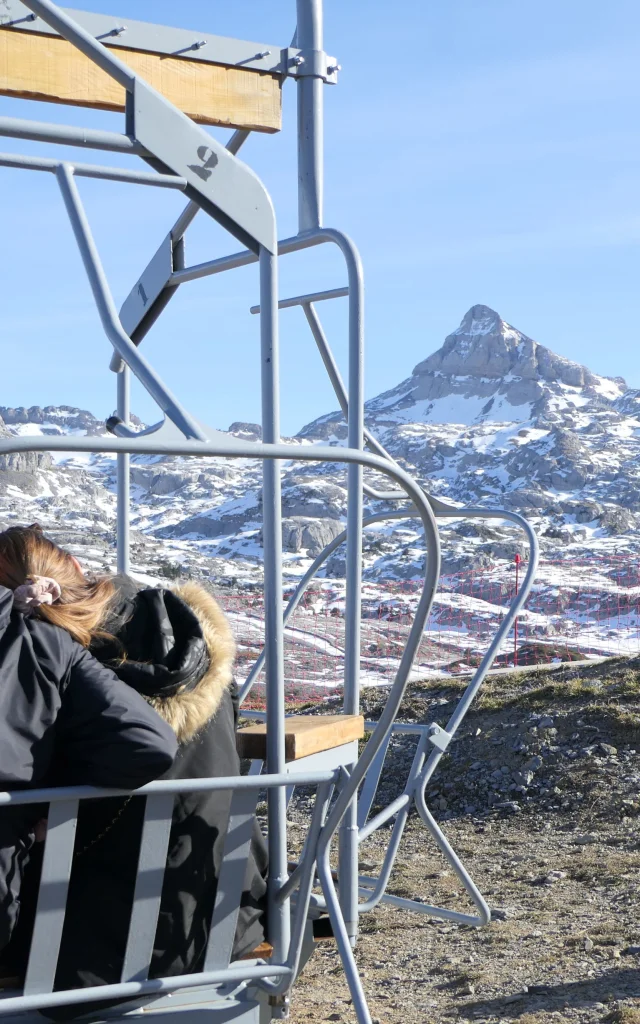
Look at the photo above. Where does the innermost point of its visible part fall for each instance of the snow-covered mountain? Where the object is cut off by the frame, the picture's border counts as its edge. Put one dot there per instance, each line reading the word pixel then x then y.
pixel 491 417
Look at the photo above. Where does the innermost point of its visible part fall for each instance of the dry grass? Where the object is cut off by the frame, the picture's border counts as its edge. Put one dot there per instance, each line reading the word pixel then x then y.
pixel 625 1015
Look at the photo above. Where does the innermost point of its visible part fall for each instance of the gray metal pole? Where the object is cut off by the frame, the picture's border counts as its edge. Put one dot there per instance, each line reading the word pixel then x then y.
pixel 348 843
pixel 310 119
pixel 86 138
pixel 108 313
pixel 43 163
pixel 278 913
pixel 123 496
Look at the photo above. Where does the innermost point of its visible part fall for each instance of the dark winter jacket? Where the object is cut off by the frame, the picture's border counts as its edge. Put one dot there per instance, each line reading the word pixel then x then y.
pixel 64 719
pixel 180 655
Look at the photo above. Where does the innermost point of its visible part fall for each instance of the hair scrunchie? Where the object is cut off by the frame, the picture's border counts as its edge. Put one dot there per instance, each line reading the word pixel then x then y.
pixel 40 590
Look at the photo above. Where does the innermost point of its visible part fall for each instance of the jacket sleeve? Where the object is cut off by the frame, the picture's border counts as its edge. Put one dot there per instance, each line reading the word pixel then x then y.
pixel 108 734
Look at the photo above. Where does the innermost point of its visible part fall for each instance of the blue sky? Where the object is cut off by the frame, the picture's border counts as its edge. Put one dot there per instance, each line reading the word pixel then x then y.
pixel 476 152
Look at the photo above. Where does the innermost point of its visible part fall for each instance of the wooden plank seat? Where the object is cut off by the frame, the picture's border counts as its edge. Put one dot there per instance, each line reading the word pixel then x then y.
pixel 46 67
pixel 303 735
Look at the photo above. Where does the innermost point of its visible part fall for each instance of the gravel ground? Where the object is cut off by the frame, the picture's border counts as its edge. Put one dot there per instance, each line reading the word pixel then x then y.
pixel 540 796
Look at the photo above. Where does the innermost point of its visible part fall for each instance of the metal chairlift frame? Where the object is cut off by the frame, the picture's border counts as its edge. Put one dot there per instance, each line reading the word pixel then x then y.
pixel 178 151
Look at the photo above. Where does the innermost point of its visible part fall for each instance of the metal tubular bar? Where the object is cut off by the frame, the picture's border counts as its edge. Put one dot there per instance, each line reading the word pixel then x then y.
pixel 20 797
pixel 421 908
pixel 515 607
pixel 387 717
pixel 123 493
pixel 505 626
pixel 107 310
pixel 383 816
pixel 244 258
pixel 341 394
pixel 65 135
pixel 370 786
pixel 348 846
pixel 188 214
pixel 484 913
pixel 301 300
pixel 237 845
pixel 398 828
pixel 342 937
pixel 323 797
pixel 148 892
pixel 83 41
pixel 402 727
pixel 41 163
pixel 278 914
pixel 19 1004
pixel 52 897
pixel 305 881
pixel 310 119
pixel 217 266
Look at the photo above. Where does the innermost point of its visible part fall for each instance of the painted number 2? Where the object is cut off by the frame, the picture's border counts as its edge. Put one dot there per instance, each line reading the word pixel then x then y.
pixel 208 161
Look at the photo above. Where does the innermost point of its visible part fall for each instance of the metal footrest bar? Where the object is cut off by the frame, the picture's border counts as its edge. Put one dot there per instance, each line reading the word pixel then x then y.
pixel 66 135
pixel 303 300
pixel 122 174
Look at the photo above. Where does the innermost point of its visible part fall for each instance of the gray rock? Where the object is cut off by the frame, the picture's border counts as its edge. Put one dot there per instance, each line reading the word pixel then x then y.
pixel 302 533
pixel 167 483
pixel 247 431
pixel 608 749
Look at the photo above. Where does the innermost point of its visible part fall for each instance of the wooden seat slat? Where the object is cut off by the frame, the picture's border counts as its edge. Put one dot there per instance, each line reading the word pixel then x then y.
pixel 303 735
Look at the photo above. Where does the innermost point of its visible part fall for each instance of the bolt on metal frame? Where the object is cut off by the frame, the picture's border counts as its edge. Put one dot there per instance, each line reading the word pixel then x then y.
pixel 167 140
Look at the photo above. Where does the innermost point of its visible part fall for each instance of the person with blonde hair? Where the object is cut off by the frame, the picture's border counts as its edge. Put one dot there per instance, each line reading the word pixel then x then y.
pixel 65 719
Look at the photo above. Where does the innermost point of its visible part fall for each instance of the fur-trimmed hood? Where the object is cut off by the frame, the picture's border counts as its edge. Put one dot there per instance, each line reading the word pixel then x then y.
pixel 189 710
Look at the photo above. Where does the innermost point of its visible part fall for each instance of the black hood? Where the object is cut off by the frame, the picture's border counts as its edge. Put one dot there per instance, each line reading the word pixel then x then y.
pixel 157 644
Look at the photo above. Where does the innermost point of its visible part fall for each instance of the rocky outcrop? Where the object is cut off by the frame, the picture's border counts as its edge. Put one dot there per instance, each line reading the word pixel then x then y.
pixel 22 464
pixel 485 345
pixel 246 431
pixel 300 533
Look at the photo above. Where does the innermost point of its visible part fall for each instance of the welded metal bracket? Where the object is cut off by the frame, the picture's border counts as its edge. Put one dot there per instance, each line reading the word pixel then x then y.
pixel 312 64
pixel 439 737
pixel 225 187
pixel 141 306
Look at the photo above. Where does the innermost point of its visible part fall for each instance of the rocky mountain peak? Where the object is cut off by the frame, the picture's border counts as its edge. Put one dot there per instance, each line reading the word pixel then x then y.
pixel 485 345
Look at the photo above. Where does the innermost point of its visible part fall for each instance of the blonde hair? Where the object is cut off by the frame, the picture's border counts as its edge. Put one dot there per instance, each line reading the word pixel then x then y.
pixel 25 552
